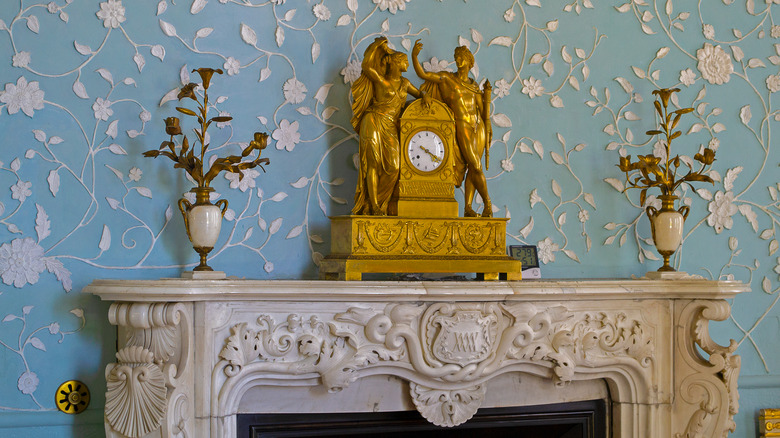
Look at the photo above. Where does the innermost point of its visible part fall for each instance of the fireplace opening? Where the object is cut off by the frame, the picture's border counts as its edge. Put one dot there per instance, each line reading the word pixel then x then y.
pixel 581 419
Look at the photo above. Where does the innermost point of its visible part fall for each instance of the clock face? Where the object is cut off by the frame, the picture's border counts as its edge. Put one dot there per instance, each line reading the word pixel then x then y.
pixel 426 151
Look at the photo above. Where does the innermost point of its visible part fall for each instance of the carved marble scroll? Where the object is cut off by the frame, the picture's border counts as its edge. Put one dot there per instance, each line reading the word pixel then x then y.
pixel 450 348
pixel 708 386
pixel 143 393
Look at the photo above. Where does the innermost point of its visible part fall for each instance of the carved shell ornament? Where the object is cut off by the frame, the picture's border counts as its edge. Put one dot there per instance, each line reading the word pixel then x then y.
pixel 136 393
pixel 446 408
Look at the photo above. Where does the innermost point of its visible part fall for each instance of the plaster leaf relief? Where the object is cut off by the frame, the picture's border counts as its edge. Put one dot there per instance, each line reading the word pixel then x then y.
pixel 449 349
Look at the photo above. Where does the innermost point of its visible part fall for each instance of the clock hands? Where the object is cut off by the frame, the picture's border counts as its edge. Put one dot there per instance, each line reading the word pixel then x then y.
pixel 433 156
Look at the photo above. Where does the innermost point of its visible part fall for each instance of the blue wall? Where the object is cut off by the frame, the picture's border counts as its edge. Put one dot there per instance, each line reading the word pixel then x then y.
pixel 86 85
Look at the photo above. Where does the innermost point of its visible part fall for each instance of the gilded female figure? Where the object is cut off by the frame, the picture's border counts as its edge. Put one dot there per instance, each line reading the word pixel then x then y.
pixel 471 107
pixel 378 97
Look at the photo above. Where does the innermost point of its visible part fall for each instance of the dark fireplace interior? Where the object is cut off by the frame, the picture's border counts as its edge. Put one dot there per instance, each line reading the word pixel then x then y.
pixel 583 419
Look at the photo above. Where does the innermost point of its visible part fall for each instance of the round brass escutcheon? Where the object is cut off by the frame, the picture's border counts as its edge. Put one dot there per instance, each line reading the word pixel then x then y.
pixel 72 397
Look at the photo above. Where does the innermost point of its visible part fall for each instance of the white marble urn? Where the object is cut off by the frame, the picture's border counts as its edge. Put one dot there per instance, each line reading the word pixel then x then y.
pixel 667 226
pixel 203 221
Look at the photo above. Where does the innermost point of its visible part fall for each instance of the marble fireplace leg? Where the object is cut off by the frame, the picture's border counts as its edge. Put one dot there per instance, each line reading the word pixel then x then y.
pixel 149 387
pixel 706 399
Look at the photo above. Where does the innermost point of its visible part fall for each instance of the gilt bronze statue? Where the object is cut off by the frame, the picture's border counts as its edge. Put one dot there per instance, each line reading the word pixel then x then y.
pixel 471 107
pixel 379 95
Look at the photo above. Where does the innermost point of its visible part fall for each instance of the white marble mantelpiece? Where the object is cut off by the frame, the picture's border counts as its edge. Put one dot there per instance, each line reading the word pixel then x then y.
pixel 194 353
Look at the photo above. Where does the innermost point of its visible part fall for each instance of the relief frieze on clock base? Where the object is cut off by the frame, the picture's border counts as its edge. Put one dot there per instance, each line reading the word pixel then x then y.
pixel 376 244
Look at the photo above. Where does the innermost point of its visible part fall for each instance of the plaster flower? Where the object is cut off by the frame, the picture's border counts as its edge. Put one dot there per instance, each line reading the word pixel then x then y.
pixel 507 165
pixel 393 5
pixel 532 87
pixel 721 209
pixel 102 109
pixel 213 197
pixel 351 72
pixel 547 249
pixel 687 77
pixel 231 66
pixel 714 64
pixel 773 83
pixel 21 261
pixel 54 328
pixel 21 190
pixel 714 143
pixel 145 116
pixel 287 135
pixel 52 8
pixel 659 150
pixel 294 91
pixel 135 174
pixel 652 201
pixel 245 182
pixel 509 15
pixel 775 32
pixel 25 96
pixel 708 30
pixel 501 88
pixel 221 125
pixel 535 198
pixel 28 382
pixel 436 65
pixel 112 13
pixel 21 59
pixel 583 215
pixel 321 12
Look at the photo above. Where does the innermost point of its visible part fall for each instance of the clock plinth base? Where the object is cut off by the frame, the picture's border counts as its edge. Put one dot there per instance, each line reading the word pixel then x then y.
pixel 394 244
pixel 432 207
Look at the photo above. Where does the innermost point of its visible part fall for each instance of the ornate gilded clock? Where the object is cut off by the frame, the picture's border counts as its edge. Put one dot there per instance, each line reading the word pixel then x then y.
pixel 423 233
pixel 426 187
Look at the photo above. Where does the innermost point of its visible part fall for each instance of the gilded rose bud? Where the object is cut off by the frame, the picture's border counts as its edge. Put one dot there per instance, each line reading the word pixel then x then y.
pixel 625 163
pixel 260 141
pixel 172 126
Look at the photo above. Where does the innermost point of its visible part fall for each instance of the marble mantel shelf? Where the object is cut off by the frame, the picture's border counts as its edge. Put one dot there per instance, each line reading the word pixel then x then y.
pixel 175 289
pixel 192 354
